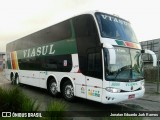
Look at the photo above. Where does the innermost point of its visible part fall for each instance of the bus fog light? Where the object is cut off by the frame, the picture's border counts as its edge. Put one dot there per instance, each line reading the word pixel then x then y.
pixel 113 90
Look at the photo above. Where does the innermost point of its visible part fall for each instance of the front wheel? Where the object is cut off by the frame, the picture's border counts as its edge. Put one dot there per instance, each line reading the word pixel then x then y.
pixel 68 91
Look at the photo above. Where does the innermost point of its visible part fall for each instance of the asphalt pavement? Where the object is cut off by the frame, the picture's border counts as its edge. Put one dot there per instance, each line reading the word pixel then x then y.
pixel 151 93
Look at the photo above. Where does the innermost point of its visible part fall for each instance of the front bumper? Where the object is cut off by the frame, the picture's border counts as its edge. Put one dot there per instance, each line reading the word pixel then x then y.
pixel 109 97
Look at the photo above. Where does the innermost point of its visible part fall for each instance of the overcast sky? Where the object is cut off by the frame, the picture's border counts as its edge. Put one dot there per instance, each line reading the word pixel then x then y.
pixel 22 17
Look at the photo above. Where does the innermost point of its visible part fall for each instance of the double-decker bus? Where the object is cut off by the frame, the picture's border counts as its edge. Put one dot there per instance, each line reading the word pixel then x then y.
pixel 93 55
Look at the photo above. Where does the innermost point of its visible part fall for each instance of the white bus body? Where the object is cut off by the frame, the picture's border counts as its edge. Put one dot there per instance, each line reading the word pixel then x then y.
pixel 97 57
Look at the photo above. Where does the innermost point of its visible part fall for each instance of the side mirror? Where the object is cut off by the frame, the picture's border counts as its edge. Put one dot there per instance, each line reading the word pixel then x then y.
pixel 152 54
pixel 112 53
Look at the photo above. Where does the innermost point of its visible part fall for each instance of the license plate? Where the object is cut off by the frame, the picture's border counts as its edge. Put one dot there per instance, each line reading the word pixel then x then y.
pixel 131 96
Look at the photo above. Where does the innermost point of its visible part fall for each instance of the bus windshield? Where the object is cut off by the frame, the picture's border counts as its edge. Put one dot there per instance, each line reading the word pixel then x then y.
pixel 129 65
pixel 115 28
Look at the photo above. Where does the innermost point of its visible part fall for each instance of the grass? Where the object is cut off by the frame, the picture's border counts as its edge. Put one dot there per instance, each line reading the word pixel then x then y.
pixel 55 110
pixel 14 100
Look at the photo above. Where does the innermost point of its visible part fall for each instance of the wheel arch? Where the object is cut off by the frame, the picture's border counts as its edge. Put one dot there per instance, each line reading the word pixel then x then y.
pixel 64 79
pixel 50 78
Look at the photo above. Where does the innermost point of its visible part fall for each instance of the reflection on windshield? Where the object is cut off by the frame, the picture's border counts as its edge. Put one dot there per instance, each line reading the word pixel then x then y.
pixel 137 64
pixel 114 27
pixel 128 65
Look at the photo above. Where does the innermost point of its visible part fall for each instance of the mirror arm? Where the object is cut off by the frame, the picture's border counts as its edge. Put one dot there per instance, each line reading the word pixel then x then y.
pixel 152 54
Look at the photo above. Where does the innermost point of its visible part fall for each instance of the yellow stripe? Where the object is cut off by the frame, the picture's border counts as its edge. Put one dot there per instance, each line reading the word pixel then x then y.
pixel 14 61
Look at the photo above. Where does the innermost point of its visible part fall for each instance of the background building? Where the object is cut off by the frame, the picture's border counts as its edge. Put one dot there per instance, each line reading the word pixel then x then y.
pixel 2 60
pixel 150 72
pixel 153 45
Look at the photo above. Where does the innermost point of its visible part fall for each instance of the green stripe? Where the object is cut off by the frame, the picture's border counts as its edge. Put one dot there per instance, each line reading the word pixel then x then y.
pixel 62 47
pixel 9 64
pixel 120 42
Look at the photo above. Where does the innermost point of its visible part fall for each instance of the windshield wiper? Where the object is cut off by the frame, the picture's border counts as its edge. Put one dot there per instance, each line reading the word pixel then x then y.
pixel 127 67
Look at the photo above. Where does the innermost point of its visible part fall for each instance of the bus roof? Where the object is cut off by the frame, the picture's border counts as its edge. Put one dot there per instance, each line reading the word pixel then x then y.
pixel 92 12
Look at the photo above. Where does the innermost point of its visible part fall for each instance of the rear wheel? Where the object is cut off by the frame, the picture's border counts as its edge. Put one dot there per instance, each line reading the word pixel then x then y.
pixel 68 91
pixel 12 78
pixel 52 87
pixel 16 80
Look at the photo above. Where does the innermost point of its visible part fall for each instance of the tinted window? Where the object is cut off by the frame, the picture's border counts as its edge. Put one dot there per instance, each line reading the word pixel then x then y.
pixel 114 27
pixel 60 31
pixel 86 37
pixel 29 64
pixel 61 63
pixel 94 65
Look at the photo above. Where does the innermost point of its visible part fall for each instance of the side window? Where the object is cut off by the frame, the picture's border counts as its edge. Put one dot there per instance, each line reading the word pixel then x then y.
pixel 86 38
pixel 85 27
pixel 62 63
pixel 13 46
pixel 57 32
pixel 94 65
pixel 61 31
pixel 50 63
pixel 18 45
pixel 29 64
pixel 8 48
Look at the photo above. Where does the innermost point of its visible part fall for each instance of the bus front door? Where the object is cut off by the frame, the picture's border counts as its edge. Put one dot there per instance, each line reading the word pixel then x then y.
pixel 94 76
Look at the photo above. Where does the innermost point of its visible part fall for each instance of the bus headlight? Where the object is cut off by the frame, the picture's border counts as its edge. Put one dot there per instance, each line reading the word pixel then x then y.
pixel 113 90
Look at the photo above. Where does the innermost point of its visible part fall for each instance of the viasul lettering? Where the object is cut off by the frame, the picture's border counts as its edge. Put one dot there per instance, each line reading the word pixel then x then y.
pixel 38 51
pixel 114 19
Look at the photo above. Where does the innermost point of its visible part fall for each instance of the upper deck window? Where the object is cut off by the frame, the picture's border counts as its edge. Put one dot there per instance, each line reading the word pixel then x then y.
pixel 115 28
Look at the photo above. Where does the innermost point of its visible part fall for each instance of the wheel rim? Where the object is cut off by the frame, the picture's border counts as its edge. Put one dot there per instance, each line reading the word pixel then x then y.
pixel 17 80
pixel 53 88
pixel 12 78
pixel 69 91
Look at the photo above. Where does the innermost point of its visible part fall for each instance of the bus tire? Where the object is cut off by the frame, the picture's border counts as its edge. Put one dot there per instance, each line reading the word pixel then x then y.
pixel 12 78
pixel 52 87
pixel 16 80
pixel 68 91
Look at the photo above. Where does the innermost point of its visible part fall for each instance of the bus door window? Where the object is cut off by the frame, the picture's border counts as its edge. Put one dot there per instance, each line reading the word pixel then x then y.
pixel 94 67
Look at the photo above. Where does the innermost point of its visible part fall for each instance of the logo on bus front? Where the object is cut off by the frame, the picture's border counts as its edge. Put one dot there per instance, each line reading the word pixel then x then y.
pixel 131 84
pixel 115 84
